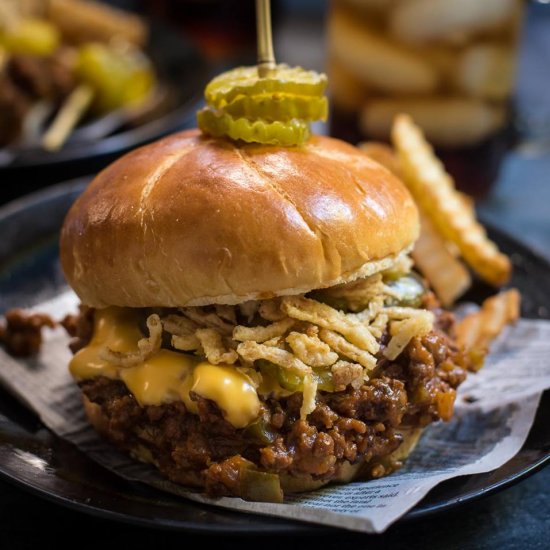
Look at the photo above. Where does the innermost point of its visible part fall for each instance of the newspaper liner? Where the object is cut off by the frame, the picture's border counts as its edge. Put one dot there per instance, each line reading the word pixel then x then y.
pixel 488 429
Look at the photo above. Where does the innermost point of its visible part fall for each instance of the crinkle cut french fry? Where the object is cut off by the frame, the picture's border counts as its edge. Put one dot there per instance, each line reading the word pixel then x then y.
pixel 486 71
pixel 479 329
pixel 423 21
pixel 447 276
pixel 443 59
pixel 446 121
pixel 434 191
pixel 500 310
pixel 468 330
pixel 376 60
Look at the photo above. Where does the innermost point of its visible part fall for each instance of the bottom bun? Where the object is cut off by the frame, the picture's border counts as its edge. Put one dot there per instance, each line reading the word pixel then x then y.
pixel 346 473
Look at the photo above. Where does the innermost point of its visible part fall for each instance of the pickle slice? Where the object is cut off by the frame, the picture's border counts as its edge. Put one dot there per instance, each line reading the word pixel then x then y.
pixel 119 79
pixel 408 291
pixel 260 486
pixel 227 86
pixel 217 124
pixel 294 383
pixel 260 431
pixel 277 106
pixel 272 110
pixel 31 37
pixel 324 379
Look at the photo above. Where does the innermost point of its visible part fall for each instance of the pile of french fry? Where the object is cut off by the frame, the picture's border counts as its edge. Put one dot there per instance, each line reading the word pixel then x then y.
pixel 449 64
pixel 452 243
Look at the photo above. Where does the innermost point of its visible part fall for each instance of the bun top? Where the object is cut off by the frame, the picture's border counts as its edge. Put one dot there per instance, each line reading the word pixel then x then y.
pixel 193 220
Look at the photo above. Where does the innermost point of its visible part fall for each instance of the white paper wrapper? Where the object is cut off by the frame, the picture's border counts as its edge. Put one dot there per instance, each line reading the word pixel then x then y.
pixel 489 428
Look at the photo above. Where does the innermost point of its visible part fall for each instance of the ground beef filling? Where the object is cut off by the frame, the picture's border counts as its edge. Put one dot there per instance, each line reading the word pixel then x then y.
pixel 353 425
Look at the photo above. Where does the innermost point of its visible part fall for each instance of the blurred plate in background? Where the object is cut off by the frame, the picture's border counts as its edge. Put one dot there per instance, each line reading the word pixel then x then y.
pixel 182 71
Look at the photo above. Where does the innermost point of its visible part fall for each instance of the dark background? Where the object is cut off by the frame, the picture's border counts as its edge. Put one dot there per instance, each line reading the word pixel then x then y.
pixel 518 517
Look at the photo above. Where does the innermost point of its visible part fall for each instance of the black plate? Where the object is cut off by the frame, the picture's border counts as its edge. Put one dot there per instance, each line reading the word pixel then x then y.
pixel 35 459
pixel 183 73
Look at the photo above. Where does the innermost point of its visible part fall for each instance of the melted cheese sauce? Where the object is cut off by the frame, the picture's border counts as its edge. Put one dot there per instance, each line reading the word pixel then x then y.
pixel 229 389
pixel 167 376
pixel 158 379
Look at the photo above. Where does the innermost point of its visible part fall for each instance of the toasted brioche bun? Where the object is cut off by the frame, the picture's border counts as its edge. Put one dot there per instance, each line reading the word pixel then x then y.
pixel 192 220
pixel 289 483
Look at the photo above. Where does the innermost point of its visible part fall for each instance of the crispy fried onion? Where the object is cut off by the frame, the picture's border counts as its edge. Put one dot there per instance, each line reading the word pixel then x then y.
pixel 187 342
pixel 252 351
pixel 146 346
pixel 227 313
pixel 208 319
pixel 327 317
pixel 397 312
pixel 372 309
pixel 378 325
pixel 179 325
pixel 261 334
pixel 358 294
pixel 418 322
pixel 345 373
pixel 293 332
pixel 213 347
pixel 182 330
pixel 277 342
pixel 311 350
pixel 308 398
pixel 346 349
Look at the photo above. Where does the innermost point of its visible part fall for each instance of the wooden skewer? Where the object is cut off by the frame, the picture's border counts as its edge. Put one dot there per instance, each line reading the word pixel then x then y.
pixel 67 117
pixel 266 57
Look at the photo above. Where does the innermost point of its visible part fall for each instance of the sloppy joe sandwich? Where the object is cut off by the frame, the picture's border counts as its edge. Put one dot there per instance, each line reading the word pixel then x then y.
pixel 250 321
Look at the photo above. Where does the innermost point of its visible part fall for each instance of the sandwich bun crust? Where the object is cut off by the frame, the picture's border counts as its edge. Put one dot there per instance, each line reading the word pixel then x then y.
pixel 193 220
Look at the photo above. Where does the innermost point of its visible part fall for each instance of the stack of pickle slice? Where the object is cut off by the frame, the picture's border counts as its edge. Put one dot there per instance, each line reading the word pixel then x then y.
pixel 274 110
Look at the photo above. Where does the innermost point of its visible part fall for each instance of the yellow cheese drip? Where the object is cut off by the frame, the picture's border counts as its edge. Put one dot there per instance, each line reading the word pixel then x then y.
pixel 115 327
pixel 230 390
pixel 159 378
pixel 168 375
